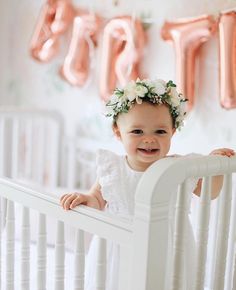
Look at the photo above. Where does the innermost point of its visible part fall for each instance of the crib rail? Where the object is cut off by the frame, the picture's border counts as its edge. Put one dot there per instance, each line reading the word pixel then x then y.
pixel 152 199
pixel 144 241
pixel 83 218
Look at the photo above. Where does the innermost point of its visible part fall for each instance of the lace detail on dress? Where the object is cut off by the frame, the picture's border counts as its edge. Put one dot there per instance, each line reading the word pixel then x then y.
pixel 118 182
pixel 109 172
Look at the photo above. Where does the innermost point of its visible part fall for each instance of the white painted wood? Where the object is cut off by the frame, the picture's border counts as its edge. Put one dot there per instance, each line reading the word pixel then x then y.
pixel 0 242
pixel 147 235
pixel 202 234
pixel 34 138
pixel 59 257
pixel 71 166
pixel 79 257
pixel 125 267
pixel 15 149
pixel 223 232
pixel 38 151
pixel 180 237
pixel 10 245
pixel 2 146
pixel 149 225
pixel 25 250
pixel 53 137
pixel 212 241
pixel 41 253
pixel 100 264
pixel 88 219
pixel 230 260
pixel 28 148
pixel 234 270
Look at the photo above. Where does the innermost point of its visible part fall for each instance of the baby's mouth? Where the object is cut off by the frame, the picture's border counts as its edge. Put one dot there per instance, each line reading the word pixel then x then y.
pixel 148 150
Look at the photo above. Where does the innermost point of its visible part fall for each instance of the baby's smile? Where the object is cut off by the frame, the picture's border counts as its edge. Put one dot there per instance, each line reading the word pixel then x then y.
pixel 148 150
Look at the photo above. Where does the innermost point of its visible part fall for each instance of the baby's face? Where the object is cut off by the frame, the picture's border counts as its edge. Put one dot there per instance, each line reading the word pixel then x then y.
pixel 146 132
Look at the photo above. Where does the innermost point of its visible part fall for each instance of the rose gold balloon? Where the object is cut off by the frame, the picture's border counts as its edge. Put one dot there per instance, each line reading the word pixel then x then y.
pixel 76 66
pixel 122 49
pixel 64 15
pixel 54 19
pixel 227 43
pixel 187 36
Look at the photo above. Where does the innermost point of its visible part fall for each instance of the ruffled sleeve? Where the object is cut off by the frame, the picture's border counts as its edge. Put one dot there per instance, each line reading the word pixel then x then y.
pixel 108 173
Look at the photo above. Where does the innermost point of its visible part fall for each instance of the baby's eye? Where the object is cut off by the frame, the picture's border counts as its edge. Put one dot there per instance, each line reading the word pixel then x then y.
pixel 161 131
pixel 137 131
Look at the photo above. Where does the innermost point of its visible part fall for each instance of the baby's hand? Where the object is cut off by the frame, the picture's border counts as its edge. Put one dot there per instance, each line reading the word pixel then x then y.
pixel 71 200
pixel 223 151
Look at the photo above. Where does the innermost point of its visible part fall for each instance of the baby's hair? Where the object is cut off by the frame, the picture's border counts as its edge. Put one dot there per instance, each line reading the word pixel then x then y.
pixel 156 92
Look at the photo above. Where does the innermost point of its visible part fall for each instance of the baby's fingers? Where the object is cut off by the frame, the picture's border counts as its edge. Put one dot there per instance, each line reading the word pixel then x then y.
pixel 67 199
pixel 224 152
pixel 80 199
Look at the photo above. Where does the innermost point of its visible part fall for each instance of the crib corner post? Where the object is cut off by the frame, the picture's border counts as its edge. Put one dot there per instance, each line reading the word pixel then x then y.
pixel 149 251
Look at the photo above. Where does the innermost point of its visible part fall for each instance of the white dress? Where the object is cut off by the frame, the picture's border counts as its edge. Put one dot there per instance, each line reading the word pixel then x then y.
pixel 118 185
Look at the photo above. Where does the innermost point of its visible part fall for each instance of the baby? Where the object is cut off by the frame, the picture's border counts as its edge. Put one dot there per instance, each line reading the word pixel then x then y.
pixel 145 116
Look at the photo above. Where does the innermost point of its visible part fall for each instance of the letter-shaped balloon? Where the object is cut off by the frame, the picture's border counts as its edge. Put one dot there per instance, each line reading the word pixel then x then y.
pixel 227 43
pixel 187 36
pixel 76 66
pixel 122 48
pixel 54 19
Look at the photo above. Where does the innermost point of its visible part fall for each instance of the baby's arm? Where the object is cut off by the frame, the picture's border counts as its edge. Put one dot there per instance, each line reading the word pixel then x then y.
pixel 217 181
pixel 92 199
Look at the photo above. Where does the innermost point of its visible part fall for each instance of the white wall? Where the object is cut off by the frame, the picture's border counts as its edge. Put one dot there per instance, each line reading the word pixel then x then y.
pixel 25 82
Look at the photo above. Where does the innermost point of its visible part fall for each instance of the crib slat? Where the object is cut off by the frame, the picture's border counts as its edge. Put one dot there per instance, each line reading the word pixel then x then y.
pixel 212 241
pixel 2 146
pixel 15 148
pixel 59 257
pixel 234 270
pixel 223 230
pixel 100 276
pixel 202 233
pixel 71 178
pixel 179 237
pixel 25 250
pixel 0 242
pixel 231 246
pixel 28 154
pixel 10 245
pixel 51 136
pixel 38 149
pixel 41 253
pixel 79 261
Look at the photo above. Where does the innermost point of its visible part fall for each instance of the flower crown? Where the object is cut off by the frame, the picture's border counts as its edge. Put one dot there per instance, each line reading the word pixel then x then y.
pixel 153 91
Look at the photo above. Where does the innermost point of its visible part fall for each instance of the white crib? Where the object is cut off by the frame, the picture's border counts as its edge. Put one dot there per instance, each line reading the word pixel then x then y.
pixel 31 144
pixel 143 241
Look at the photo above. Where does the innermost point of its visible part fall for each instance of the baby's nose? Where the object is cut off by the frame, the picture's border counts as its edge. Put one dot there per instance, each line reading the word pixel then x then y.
pixel 149 139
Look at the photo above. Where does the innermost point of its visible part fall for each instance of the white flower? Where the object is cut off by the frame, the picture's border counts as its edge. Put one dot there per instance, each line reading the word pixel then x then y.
pixel 175 99
pixel 161 81
pixel 114 99
pixel 159 87
pixel 139 100
pixel 109 110
pixel 155 91
pixel 130 91
pixel 182 109
pixel 141 91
